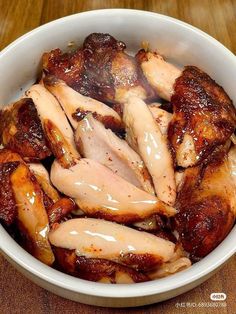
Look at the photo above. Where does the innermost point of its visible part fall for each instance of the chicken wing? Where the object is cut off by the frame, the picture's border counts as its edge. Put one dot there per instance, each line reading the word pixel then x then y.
pixel 207 206
pixel 100 69
pixel 21 130
pixel 100 144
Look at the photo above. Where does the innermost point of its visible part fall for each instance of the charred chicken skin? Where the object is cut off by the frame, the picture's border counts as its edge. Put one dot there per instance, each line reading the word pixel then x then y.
pixel 207 206
pixel 100 69
pixel 21 130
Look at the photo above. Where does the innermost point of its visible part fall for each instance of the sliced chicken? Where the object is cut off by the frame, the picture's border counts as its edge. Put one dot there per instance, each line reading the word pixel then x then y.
pixel 206 206
pixel 101 193
pixel 232 163
pixel 100 69
pixel 21 130
pixel 161 116
pixel 96 142
pixel 76 106
pixel 25 200
pixel 159 73
pixel 96 269
pixel 56 127
pixel 43 179
pixel 204 117
pixel 144 135
pixel 95 238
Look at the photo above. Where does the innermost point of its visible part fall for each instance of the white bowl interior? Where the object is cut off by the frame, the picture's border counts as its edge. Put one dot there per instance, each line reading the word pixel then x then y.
pixel 179 42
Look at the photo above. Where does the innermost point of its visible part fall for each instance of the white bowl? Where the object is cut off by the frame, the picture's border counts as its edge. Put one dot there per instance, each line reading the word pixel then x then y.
pixel 179 42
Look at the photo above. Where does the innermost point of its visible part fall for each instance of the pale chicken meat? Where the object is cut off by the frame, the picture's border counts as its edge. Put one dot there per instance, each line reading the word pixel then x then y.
pixel 96 142
pixel 77 106
pixel 144 135
pixel 56 127
pixel 101 193
pixel 161 116
pixel 94 238
pixel 232 163
pixel 204 116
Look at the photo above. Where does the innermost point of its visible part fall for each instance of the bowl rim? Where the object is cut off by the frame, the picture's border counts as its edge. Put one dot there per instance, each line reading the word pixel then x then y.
pixel 207 265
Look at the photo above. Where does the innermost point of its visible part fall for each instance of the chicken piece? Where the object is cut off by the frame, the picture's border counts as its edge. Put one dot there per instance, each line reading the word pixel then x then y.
pixel 22 195
pixel 204 117
pixel 95 269
pixel 232 163
pixel 100 69
pixel 206 206
pixel 100 144
pixel 60 209
pixel 94 238
pixel 43 179
pixel 144 135
pixel 21 130
pixel 161 116
pixel 77 106
pixel 56 127
pixel 101 193
pixel 159 73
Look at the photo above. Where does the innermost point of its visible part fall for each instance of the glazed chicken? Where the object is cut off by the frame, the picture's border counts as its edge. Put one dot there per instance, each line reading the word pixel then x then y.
pixel 144 135
pixel 204 116
pixel 206 205
pixel 77 106
pixel 21 130
pixel 100 193
pixel 100 144
pixel 100 69
pixel 22 202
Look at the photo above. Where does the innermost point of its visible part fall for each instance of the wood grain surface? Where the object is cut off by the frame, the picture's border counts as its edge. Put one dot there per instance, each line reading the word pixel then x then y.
pixel 217 18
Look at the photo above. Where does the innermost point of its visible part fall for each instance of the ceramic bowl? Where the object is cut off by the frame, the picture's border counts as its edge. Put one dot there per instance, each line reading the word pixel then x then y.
pixel 180 43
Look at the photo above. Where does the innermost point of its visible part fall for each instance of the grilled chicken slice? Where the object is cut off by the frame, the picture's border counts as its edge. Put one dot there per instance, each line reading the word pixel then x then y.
pixel 42 176
pixel 95 269
pixel 23 194
pixel 232 163
pixel 204 117
pixel 207 206
pixel 95 238
pixel 161 116
pixel 100 144
pixel 159 73
pixel 100 69
pixel 101 193
pixel 21 130
pixel 56 127
pixel 76 106
pixel 144 135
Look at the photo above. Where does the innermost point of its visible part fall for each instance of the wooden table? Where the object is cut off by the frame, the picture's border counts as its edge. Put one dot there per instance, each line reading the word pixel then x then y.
pixel 218 18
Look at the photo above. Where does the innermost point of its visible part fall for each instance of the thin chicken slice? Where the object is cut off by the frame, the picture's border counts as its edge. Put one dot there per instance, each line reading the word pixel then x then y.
pixel 160 74
pixel 76 106
pixel 56 127
pixel 96 142
pixel 161 116
pixel 25 197
pixel 95 238
pixel 43 179
pixel 99 192
pixel 144 135
pixel 232 163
